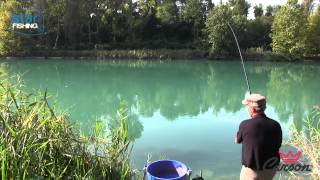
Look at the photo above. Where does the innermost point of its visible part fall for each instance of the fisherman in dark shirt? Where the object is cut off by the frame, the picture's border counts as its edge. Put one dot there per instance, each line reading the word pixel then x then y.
pixel 261 138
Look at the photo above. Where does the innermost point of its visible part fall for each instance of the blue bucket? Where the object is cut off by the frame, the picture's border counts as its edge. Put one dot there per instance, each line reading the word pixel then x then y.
pixel 167 170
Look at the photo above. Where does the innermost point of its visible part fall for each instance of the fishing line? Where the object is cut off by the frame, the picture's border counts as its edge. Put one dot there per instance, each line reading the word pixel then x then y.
pixel 243 66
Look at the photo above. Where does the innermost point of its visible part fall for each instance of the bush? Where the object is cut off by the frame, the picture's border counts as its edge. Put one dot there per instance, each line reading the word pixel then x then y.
pixel 271 56
pixel 37 142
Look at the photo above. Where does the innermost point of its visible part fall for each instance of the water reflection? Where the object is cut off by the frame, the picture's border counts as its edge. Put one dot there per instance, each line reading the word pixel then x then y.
pixel 182 110
pixel 134 125
pixel 175 89
pixel 293 90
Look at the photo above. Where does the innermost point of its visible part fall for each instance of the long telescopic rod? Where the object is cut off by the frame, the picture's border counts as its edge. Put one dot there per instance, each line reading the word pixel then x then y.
pixel 244 68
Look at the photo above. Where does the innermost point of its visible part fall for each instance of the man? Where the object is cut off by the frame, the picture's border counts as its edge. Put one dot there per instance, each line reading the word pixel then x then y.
pixel 261 138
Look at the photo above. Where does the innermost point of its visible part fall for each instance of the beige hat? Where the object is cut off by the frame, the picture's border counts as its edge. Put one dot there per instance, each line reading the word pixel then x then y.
pixel 256 101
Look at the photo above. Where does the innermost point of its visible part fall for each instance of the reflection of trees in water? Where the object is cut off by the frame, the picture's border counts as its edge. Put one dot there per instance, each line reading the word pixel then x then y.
pixel 135 127
pixel 173 89
pixel 293 90
pixel 224 88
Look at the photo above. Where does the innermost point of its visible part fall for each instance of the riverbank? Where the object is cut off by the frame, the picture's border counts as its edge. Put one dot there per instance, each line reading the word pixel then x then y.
pixel 116 54
pixel 162 54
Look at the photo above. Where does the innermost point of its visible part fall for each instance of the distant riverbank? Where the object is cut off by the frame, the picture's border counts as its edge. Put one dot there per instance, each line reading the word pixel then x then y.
pixel 164 54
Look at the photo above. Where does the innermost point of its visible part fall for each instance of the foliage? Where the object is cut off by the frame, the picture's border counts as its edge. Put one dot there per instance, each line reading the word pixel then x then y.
pixel 37 142
pixel 167 12
pixel 151 54
pixel 257 34
pixel 258 11
pixel 8 42
pixel 194 15
pixel 146 7
pixel 308 140
pixel 313 34
pixel 219 33
pixel 117 16
pixel 272 10
pixel 56 11
pixel 269 10
pixel 289 38
pixel 155 24
pixel 240 7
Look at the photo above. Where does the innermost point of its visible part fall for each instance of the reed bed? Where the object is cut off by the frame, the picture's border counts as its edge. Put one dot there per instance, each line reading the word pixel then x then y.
pixel 164 54
pixel 308 141
pixel 38 143
pixel 152 54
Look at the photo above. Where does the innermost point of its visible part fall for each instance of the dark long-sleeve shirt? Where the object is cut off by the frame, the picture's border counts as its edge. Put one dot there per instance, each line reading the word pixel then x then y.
pixel 261 138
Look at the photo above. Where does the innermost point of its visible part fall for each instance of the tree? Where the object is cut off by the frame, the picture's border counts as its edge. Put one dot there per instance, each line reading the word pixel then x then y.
pixel 167 12
pixel 307 4
pixel 257 34
pixel 146 7
pixel 117 15
pixel 9 43
pixel 259 29
pixel 193 14
pixel 269 10
pixel 56 10
pixel 219 34
pixel 313 34
pixel 145 22
pixel 288 30
pixel 71 23
pixel 258 11
pixel 240 7
pixel 272 10
pixel 207 5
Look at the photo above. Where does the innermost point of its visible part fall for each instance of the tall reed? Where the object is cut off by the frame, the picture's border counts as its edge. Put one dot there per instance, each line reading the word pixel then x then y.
pixel 36 142
pixel 308 141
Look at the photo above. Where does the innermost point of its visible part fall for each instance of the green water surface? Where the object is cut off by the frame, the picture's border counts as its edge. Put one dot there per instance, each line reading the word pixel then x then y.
pixel 183 110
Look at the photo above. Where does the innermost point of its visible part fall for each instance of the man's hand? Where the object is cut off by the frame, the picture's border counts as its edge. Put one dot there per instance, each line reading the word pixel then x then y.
pixel 236 140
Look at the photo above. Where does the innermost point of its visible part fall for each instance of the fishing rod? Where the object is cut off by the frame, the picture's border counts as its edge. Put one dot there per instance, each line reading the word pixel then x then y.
pixel 243 66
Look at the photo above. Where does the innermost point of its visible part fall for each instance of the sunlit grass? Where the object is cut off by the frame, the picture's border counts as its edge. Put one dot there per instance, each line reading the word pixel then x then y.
pixel 308 141
pixel 151 54
pixel 37 142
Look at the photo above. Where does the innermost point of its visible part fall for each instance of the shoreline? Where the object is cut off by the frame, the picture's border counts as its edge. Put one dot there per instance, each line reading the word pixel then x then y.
pixel 155 54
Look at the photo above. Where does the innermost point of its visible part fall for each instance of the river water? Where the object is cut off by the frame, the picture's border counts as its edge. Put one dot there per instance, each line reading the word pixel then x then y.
pixel 183 110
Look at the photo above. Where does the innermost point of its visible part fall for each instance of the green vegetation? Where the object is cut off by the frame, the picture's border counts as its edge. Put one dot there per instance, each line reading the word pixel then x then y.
pixel 220 36
pixel 124 54
pixel 8 41
pixel 288 30
pixel 86 26
pixel 308 141
pixel 37 142
pixel 313 35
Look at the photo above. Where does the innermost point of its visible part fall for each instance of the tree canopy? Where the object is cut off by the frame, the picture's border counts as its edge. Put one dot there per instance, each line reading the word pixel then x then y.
pixel 8 42
pixel 162 24
pixel 288 30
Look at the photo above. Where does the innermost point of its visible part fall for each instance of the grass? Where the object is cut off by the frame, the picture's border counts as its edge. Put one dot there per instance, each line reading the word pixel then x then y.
pixel 38 143
pixel 308 141
pixel 152 54
pixel 162 53
pixel 122 54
